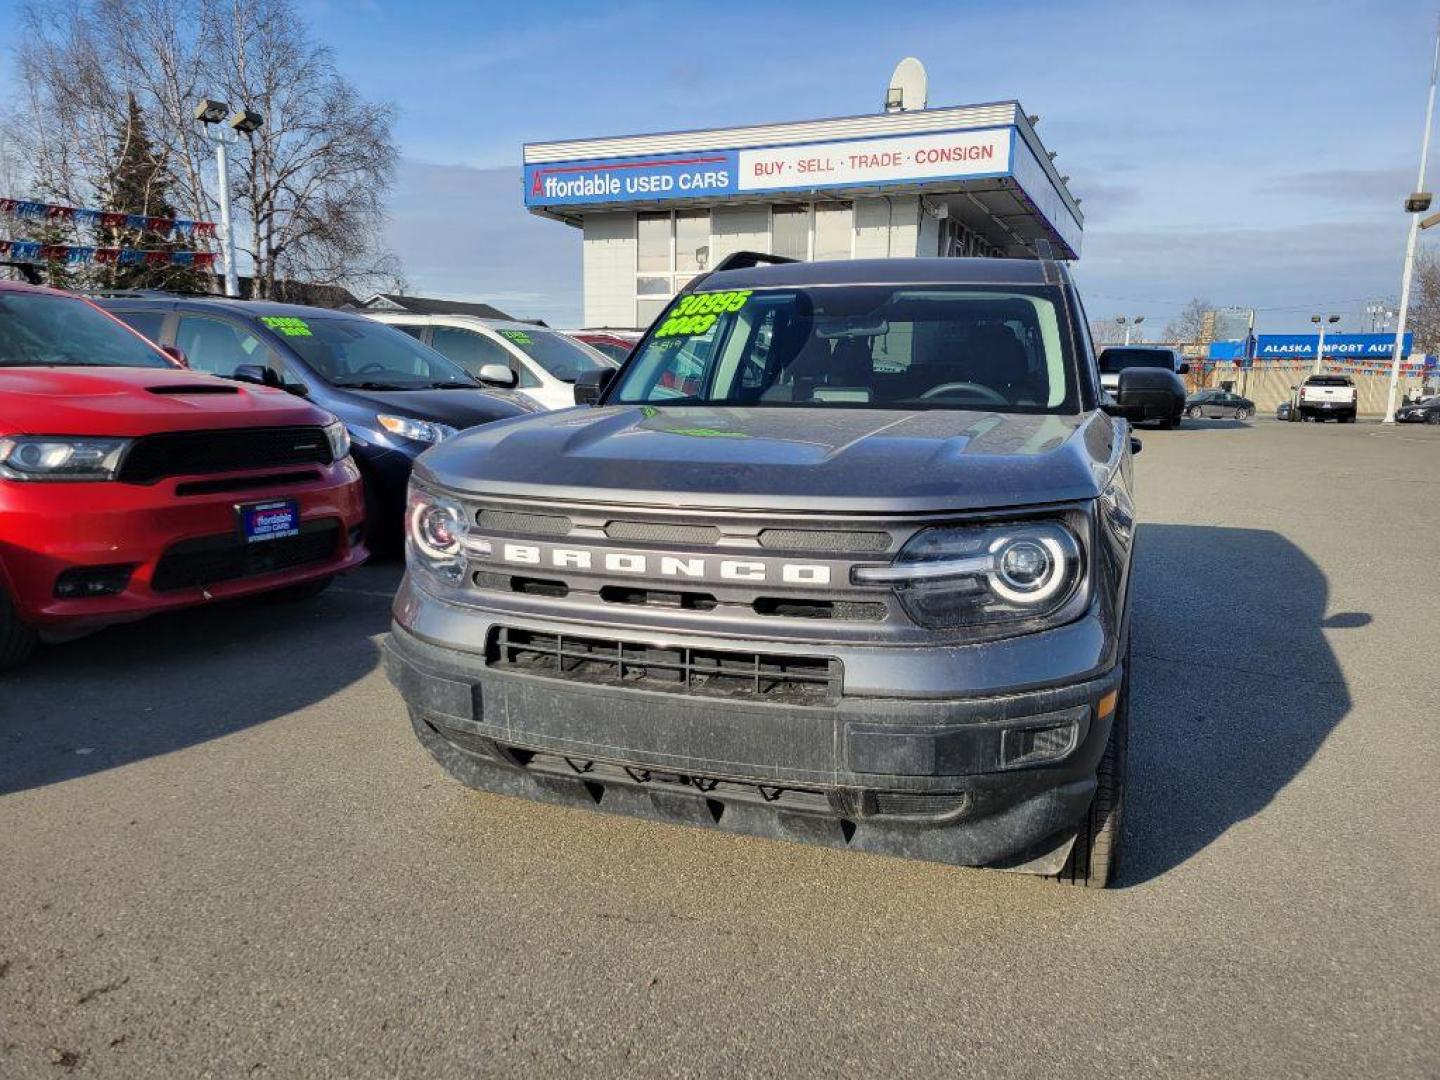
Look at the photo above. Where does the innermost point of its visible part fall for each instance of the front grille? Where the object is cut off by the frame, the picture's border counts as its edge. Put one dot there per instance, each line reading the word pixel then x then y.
pixel 790 680
pixel 659 532
pixel 825 540
pixel 197 453
pixel 211 559
pixel 245 483
pixel 506 521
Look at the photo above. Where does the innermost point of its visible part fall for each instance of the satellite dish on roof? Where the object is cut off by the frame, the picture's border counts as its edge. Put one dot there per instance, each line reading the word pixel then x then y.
pixel 908 86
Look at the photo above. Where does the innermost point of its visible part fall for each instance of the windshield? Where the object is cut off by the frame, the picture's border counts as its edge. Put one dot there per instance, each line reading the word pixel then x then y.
pixel 1114 361
pixel 861 346
pixel 39 329
pixel 613 350
pixel 367 355
pixel 563 357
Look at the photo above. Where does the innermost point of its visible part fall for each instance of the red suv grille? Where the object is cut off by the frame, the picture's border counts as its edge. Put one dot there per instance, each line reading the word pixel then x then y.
pixel 195 453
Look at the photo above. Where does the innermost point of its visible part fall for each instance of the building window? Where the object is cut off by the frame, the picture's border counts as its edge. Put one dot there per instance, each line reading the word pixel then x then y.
pixel 815 232
pixel 671 247
pixel 834 231
pixel 790 231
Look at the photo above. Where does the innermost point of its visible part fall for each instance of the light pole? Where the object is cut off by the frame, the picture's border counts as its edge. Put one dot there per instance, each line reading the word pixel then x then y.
pixel 211 114
pixel 1321 322
pixel 1132 323
pixel 1415 205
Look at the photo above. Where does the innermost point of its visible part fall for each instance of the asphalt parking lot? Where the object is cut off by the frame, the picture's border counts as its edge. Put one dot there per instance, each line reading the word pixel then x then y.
pixel 223 853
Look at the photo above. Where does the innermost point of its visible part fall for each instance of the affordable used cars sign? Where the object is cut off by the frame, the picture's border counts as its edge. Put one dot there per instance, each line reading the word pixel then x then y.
pixel 806 166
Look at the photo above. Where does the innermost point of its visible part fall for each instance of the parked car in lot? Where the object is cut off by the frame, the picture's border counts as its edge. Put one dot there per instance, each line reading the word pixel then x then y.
pixel 840 555
pixel 1218 403
pixel 129 485
pixel 616 344
pixel 1424 411
pixel 396 397
pixel 1118 358
pixel 1283 410
pixel 542 364
pixel 1325 397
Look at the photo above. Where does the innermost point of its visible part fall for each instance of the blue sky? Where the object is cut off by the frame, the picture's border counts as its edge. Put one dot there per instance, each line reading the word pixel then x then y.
pixel 1253 153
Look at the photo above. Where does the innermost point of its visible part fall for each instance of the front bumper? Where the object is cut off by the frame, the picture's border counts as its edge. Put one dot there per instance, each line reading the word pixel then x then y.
pixel 48 529
pixel 935 778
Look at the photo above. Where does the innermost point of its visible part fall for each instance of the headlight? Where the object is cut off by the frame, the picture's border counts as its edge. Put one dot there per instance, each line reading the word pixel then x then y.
pixel 339 440
pixel 27 457
pixel 984 575
pixel 438 535
pixel 426 431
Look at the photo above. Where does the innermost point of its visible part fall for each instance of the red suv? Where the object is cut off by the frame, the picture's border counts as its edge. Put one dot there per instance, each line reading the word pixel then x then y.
pixel 129 485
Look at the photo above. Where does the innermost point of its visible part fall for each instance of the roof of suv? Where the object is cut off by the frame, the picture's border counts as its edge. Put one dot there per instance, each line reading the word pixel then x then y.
pixel 952 271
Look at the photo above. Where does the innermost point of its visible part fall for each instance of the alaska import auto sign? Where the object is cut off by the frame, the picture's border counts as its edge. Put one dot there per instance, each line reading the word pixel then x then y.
pixel 806 166
pixel 1280 346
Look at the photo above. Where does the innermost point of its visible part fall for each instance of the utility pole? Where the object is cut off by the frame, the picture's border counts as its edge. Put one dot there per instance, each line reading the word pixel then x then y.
pixel 1417 204
pixel 211 114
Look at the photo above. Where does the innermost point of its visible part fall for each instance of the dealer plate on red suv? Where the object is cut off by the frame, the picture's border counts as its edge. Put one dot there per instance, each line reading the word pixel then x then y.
pixel 269 520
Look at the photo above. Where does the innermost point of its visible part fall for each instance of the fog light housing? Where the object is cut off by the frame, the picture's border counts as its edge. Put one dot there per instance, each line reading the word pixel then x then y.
pixel 80 582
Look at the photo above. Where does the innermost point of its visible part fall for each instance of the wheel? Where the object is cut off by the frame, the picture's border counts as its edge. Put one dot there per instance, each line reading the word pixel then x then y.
pixel 306 590
pixel 17 641
pixel 1193 412
pixel 1243 413
pixel 1094 861
pixel 1433 418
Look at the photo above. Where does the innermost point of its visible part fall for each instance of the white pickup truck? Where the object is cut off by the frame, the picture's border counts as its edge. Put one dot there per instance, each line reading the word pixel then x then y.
pixel 1325 397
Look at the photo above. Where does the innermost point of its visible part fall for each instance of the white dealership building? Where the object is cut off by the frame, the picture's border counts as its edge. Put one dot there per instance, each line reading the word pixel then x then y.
pixel 655 210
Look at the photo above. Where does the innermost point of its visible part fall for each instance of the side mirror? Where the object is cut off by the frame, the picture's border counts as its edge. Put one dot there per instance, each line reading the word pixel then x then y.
pixel 497 375
pixel 176 353
pixel 259 374
pixel 1184 368
pixel 590 385
pixel 1148 394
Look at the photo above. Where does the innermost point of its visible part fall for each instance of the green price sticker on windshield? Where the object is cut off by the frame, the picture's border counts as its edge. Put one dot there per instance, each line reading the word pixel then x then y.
pixel 696 313
pixel 520 337
pixel 287 325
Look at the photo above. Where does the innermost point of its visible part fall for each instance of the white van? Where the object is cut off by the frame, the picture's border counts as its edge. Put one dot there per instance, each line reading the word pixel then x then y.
pixel 542 364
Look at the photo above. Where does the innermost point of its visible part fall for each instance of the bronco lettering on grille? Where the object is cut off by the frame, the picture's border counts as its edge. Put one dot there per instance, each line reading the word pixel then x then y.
pixel 673 566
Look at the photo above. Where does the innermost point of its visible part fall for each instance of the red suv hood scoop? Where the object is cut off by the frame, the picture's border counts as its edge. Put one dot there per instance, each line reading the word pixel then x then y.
pixel 193 388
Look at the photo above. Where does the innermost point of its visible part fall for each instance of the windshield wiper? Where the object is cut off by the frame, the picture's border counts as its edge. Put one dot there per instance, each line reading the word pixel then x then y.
pixel 454 385
pixel 375 386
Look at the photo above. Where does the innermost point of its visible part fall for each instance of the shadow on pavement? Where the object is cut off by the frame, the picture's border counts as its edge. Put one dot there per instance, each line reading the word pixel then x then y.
pixel 171 681
pixel 1234 687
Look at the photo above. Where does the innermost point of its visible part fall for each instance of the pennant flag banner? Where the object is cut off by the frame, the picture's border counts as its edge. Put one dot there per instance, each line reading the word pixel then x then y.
pixel 82 255
pixel 25 210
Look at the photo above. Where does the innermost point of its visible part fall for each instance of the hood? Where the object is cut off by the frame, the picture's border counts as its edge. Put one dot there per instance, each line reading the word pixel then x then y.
pixel 139 401
pixel 861 461
pixel 458 408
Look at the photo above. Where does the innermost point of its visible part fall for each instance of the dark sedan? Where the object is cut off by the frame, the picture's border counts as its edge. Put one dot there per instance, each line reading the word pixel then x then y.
pixel 1218 404
pixel 396 396
pixel 1424 411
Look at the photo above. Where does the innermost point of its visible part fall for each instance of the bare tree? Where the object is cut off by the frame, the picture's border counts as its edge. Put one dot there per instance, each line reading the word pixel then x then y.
pixel 1111 332
pixel 1189 324
pixel 309 190
pixel 1424 314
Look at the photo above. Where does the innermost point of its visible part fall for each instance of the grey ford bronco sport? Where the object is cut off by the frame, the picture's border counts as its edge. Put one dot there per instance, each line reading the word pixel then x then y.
pixel 840 555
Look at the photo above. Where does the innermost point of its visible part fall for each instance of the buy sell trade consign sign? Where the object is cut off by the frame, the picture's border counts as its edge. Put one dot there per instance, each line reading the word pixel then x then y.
pixel 807 166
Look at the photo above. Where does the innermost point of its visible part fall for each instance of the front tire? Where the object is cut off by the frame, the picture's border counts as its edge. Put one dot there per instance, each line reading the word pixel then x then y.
pixel 17 641
pixel 1094 861
pixel 1193 412
pixel 1244 414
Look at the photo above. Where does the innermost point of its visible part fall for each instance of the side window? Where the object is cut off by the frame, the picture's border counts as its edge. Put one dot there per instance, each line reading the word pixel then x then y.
pixel 417 332
pixel 149 323
pixel 218 345
pixel 470 350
